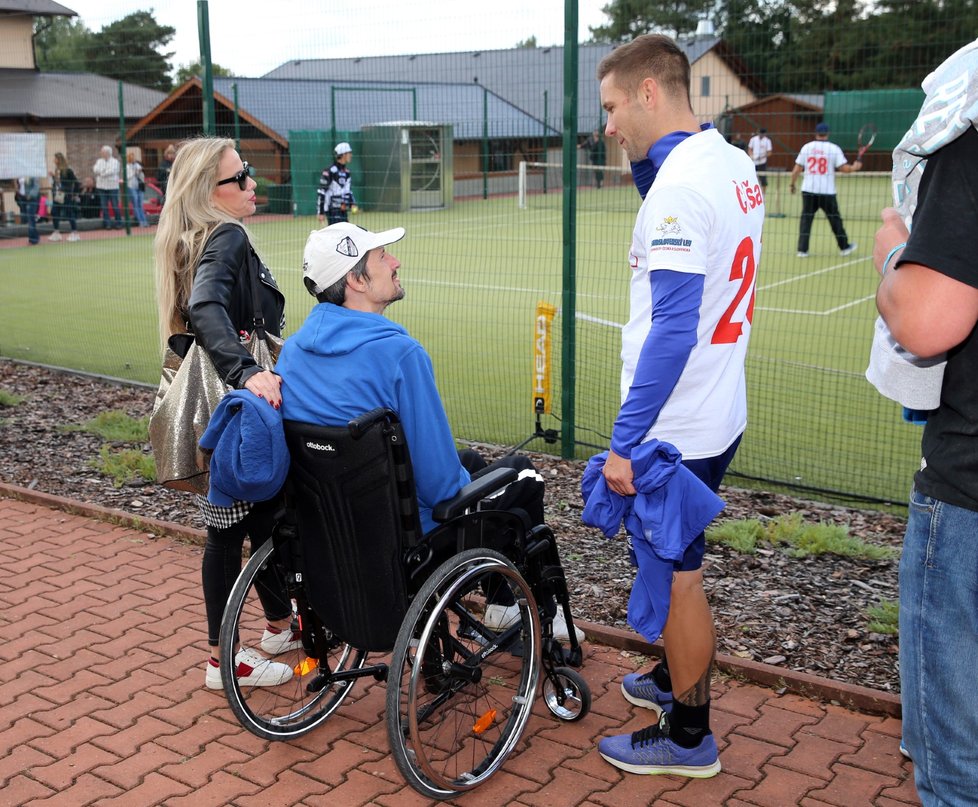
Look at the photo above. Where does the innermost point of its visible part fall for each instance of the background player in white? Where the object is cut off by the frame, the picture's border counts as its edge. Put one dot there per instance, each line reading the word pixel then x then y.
pixel 759 147
pixel 334 197
pixel 820 159
pixel 694 253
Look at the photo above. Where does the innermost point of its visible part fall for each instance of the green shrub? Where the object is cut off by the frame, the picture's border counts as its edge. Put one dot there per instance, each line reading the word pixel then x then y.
pixel 799 538
pixel 116 427
pixel 9 398
pixel 741 536
pixel 124 466
pixel 884 618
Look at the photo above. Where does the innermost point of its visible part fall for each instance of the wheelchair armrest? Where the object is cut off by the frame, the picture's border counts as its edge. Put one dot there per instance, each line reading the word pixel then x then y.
pixel 473 492
pixel 360 424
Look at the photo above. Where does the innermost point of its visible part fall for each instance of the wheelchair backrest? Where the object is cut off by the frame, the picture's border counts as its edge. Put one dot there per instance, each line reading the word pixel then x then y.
pixel 352 494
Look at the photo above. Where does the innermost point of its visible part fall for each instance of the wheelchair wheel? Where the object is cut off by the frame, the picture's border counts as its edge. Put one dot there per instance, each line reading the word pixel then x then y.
pixel 307 698
pixel 459 694
pixel 567 694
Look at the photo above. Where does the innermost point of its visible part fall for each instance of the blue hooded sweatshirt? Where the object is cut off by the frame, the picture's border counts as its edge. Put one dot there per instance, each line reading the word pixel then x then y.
pixel 342 363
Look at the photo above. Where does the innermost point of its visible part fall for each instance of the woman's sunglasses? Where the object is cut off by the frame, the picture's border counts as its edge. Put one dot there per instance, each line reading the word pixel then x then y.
pixel 241 177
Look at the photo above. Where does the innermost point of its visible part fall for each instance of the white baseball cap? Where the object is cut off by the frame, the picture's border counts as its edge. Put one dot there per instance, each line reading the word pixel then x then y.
pixel 342 148
pixel 333 251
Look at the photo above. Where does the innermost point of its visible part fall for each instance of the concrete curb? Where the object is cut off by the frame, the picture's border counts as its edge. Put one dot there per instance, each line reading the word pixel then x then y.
pixel 861 699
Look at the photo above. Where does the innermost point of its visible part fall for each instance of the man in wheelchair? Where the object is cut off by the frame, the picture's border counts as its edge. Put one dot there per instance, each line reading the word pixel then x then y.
pixel 348 358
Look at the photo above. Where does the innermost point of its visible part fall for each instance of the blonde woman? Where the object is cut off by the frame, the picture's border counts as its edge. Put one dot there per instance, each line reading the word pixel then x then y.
pixel 205 266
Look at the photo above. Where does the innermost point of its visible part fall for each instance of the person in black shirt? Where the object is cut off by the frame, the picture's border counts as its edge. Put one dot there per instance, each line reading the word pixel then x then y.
pixel 64 192
pixel 163 171
pixel 928 297
pixel 88 207
pixel 597 151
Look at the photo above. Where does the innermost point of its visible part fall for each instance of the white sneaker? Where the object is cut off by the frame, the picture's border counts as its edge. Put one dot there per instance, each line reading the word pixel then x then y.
pixel 560 628
pixel 281 642
pixel 253 670
pixel 500 617
pixel 802 255
pixel 55 236
pixel 74 237
pixel 849 249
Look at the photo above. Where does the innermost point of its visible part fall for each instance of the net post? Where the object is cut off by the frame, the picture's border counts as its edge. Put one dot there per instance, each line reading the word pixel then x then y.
pixel 521 195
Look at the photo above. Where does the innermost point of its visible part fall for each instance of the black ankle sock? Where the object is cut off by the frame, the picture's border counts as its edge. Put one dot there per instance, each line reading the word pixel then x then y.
pixel 660 674
pixel 688 724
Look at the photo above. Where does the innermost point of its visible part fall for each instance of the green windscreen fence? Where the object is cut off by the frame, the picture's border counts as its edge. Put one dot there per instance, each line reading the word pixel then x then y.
pixel 309 153
pixel 891 112
pixel 465 132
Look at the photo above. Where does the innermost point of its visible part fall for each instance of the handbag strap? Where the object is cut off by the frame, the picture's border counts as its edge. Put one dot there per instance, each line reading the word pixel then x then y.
pixel 253 278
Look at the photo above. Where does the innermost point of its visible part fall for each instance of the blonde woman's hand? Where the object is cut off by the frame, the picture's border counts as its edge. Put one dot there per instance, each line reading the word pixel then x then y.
pixel 266 385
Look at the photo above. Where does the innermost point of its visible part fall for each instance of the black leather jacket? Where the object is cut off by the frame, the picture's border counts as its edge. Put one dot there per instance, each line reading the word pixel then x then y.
pixel 221 306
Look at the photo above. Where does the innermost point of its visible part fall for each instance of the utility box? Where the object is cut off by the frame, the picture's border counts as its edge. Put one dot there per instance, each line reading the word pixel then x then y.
pixel 405 165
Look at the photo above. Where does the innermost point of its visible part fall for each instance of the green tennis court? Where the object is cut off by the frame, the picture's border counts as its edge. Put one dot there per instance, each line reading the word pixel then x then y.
pixel 474 274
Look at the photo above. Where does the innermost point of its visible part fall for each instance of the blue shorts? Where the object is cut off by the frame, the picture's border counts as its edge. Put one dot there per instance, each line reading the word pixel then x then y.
pixel 710 471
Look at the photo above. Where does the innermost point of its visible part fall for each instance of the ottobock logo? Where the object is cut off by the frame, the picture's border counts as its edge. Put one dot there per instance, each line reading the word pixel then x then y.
pixel 320 447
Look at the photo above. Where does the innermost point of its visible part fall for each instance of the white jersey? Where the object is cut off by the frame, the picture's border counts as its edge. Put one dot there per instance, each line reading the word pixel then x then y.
pixel 820 158
pixel 759 147
pixel 703 215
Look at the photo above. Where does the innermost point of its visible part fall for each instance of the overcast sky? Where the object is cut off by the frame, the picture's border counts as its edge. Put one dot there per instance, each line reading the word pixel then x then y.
pixel 250 37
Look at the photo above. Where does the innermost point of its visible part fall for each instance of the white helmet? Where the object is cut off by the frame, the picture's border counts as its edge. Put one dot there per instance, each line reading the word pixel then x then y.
pixel 342 148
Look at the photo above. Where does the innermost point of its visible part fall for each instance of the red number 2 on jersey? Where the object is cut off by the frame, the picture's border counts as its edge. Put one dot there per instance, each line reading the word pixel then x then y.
pixel 728 331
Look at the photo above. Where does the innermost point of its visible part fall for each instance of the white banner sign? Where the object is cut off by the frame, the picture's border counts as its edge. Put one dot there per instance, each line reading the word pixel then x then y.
pixel 22 155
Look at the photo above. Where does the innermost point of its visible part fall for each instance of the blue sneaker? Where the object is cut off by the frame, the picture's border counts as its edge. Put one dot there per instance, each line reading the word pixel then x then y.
pixel 642 690
pixel 652 751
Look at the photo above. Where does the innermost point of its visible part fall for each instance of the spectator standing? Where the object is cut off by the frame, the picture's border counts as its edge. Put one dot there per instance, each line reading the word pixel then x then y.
pixel 597 151
pixel 136 184
pixel 166 165
pixel 206 273
pixel 928 298
pixel 819 159
pixel 683 354
pixel 334 197
pixel 64 193
pixel 106 171
pixel 31 195
pixel 759 147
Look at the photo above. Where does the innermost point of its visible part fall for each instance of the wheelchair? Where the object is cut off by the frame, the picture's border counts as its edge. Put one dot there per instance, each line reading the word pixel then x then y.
pixel 359 577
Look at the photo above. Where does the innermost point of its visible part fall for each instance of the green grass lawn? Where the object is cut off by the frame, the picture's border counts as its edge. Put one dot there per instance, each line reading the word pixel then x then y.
pixel 474 274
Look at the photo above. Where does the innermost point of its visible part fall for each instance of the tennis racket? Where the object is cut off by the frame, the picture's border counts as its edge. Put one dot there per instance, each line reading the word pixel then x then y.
pixel 865 138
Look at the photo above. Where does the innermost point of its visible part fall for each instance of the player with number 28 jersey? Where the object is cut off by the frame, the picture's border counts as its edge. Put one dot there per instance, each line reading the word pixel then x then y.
pixel 702 216
pixel 819 159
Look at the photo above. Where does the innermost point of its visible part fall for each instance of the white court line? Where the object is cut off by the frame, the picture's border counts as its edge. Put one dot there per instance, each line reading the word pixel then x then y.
pixel 809 274
pixel 476 286
pixel 599 321
pixel 817 313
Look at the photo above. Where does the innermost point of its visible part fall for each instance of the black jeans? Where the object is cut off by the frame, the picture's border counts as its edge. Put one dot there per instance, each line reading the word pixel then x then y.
pixel 222 565
pixel 810 205
pixel 525 494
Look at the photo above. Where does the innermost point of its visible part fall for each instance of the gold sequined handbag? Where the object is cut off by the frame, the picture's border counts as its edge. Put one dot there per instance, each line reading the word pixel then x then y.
pixel 189 392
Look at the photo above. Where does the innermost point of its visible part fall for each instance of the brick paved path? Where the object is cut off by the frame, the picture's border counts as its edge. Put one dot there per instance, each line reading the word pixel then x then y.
pixel 102 702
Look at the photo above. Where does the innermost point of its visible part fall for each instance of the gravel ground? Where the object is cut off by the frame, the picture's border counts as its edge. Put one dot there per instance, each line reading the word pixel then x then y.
pixel 805 614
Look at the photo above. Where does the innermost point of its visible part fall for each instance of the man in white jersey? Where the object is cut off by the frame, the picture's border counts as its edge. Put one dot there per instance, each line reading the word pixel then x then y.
pixel 820 159
pixel 694 252
pixel 759 147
